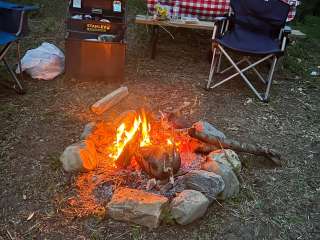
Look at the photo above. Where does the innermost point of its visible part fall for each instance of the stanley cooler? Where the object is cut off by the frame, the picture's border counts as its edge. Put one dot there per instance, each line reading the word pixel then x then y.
pixel 96 39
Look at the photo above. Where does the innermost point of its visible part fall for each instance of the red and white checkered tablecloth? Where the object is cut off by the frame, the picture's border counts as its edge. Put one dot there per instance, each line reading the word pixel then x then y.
pixel 208 9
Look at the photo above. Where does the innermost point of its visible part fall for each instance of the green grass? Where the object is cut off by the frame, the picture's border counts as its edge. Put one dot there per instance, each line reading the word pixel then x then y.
pixel 309 26
pixel 136 232
pixel 303 54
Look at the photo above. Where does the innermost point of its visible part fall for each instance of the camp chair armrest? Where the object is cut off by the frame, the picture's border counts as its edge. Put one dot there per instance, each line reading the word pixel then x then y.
pixel 221 25
pixel 284 36
pixel 220 19
pixel 287 30
pixel 20 23
pixel 17 7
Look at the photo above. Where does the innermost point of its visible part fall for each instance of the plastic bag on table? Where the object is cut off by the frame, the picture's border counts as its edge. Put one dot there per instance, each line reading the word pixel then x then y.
pixel 45 62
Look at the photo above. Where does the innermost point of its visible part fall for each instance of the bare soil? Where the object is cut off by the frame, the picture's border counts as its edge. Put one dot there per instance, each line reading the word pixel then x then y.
pixel 274 203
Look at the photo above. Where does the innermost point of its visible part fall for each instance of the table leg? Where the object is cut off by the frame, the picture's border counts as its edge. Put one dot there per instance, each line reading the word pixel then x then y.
pixel 155 36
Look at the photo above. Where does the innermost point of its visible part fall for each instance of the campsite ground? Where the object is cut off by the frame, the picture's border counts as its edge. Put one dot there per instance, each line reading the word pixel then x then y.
pixel 281 203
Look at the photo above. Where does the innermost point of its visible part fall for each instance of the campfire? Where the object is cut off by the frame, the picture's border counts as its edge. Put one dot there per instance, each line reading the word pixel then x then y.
pixel 143 164
pixel 144 141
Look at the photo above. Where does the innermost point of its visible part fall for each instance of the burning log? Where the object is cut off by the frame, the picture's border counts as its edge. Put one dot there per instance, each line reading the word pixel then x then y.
pixel 109 101
pixel 161 162
pixel 237 146
pixel 129 151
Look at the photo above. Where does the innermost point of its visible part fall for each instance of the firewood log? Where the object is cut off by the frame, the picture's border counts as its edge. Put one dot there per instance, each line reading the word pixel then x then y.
pixel 129 151
pixel 237 146
pixel 110 100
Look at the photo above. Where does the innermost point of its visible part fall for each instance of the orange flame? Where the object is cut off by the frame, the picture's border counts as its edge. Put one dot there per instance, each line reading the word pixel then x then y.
pixel 124 136
pixel 146 127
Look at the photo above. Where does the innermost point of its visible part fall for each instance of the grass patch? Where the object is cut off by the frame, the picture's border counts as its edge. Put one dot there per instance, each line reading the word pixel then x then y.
pixel 54 161
pixel 136 232
pixel 309 26
pixel 303 54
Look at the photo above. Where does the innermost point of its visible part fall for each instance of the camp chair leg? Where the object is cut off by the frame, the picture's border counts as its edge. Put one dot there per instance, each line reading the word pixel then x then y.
pixel 154 39
pixel 212 68
pixel 256 72
pixel 231 67
pixel 242 70
pixel 21 89
pixel 241 74
pixel 262 97
pixel 219 63
pixel 19 59
pixel 17 85
pixel 270 78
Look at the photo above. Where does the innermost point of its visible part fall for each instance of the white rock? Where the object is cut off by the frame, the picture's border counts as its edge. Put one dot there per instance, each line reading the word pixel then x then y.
pixel 137 206
pixel 227 157
pixel 232 186
pixel 88 130
pixel 80 156
pixel 208 183
pixel 188 206
pixel 207 129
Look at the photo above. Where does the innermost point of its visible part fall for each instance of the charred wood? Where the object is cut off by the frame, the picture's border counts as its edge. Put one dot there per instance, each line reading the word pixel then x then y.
pixel 159 162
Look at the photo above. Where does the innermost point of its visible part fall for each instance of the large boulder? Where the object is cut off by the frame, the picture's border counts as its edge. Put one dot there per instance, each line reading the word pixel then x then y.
pixel 227 157
pixel 231 182
pixel 188 206
pixel 80 156
pixel 137 206
pixel 208 183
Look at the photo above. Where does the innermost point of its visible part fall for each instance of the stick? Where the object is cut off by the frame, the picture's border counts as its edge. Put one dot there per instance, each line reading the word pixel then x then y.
pixel 9 234
pixel 109 101
pixel 271 154
pixel 206 148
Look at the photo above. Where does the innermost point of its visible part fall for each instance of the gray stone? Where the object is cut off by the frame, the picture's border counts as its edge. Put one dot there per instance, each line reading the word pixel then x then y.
pixel 137 206
pixel 207 129
pixel 208 183
pixel 227 157
pixel 188 206
pixel 232 186
pixel 88 130
pixel 80 156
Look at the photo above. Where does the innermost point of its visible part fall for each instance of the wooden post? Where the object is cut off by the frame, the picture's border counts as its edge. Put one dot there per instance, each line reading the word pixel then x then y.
pixel 155 36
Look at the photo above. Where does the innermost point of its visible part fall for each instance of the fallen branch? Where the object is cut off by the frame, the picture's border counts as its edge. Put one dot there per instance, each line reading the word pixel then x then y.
pixel 109 101
pixel 235 145
pixel 9 234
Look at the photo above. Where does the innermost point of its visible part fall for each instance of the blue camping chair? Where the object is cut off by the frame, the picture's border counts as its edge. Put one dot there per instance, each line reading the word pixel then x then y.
pixel 256 29
pixel 13 25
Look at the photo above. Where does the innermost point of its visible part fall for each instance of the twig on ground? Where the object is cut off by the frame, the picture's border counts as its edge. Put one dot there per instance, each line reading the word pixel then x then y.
pixel 9 234
pixel 122 234
pixel 31 229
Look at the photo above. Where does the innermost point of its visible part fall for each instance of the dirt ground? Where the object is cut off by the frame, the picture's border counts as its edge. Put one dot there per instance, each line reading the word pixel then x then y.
pixel 274 203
